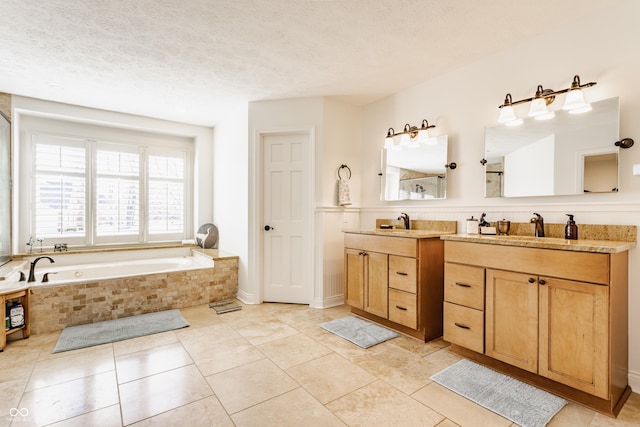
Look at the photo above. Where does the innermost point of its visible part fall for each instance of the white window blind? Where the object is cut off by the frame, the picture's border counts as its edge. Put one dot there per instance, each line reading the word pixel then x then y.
pixel 59 207
pixel 89 192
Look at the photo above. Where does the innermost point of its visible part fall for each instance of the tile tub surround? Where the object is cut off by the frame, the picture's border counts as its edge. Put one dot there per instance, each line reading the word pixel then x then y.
pixel 55 307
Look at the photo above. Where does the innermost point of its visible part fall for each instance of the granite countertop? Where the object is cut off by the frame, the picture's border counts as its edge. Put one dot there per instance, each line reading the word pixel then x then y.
pixel 580 245
pixel 400 232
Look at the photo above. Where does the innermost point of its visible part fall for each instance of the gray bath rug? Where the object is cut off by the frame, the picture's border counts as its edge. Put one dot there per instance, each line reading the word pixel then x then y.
pixel 518 402
pixel 75 337
pixel 360 332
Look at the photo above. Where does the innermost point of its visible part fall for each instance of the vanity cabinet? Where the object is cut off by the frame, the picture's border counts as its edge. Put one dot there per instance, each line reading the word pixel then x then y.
pixel 558 316
pixel 396 281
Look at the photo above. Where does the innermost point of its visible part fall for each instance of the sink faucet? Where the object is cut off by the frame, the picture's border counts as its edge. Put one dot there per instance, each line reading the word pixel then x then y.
pixel 404 217
pixel 539 222
pixel 32 276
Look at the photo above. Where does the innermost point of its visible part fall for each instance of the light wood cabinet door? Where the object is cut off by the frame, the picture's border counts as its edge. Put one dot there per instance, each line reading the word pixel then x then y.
pixel 574 334
pixel 512 318
pixel 354 278
pixel 376 288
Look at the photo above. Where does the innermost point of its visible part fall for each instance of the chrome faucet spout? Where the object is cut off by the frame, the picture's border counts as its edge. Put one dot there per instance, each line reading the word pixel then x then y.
pixel 32 276
pixel 405 218
pixel 538 220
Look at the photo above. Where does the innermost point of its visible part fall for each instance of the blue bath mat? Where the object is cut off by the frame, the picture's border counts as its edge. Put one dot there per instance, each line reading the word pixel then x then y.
pixel 360 332
pixel 75 337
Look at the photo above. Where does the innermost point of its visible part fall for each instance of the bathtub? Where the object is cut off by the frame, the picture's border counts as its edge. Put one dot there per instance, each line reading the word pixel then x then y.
pixel 89 267
pixel 92 287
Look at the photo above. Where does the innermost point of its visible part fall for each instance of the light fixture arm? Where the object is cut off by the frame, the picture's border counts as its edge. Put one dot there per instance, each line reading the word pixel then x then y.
pixel 412 131
pixel 547 94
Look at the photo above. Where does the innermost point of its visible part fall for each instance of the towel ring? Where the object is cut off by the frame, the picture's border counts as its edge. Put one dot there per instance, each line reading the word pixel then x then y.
pixel 344 167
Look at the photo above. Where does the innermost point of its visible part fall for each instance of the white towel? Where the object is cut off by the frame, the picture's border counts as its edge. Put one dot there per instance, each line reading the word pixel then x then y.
pixel 344 198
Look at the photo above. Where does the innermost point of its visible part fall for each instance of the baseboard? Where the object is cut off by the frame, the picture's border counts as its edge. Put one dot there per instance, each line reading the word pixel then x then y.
pixel 634 381
pixel 328 302
pixel 247 298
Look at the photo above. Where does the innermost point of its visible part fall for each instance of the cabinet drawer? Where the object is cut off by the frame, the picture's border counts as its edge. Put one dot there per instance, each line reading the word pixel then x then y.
pixel 403 246
pixel 403 308
pixel 464 326
pixel 402 273
pixel 464 285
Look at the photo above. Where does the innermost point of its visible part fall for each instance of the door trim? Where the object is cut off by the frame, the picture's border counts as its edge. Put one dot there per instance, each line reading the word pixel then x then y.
pixel 255 295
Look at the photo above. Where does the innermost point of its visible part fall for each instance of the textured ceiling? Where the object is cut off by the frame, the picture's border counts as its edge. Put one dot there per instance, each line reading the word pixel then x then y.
pixel 191 60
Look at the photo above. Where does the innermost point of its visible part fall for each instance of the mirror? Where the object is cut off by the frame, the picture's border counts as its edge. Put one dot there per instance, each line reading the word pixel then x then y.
pixel 568 154
pixel 415 172
pixel 5 190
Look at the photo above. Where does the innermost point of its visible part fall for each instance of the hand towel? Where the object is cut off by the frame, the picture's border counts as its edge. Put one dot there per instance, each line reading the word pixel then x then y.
pixel 344 198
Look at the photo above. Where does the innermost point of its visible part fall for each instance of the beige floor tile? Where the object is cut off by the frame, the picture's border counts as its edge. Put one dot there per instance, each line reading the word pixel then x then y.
pixel 417 346
pixel 381 404
pixel 206 412
pixel 294 408
pixel 133 345
pixel 69 399
pixel 158 393
pixel 330 377
pixel 10 395
pixel 201 342
pixel 293 350
pixel 448 423
pixel 264 331
pixel 227 355
pixel 572 415
pixel 349 350
pixel 297 314
pixel 134 366
pixel 457 408
pixel 629 415
pixel 200 315
pixel 311 327
pixel 70 367
pixel 107 417
pixel 250 384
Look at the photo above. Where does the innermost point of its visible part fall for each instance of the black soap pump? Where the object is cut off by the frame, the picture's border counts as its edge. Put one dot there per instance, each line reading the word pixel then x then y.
pixel 571 229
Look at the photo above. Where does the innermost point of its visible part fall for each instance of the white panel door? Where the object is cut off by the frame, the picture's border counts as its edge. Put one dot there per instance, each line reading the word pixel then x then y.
pixel 287 221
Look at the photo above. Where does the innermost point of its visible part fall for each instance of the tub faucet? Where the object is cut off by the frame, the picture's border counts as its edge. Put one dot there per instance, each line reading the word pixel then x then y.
pixel 32 276
pixel 539 222
pixel 404 217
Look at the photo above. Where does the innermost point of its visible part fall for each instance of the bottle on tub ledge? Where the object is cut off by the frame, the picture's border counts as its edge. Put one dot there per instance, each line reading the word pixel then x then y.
pixel 571 229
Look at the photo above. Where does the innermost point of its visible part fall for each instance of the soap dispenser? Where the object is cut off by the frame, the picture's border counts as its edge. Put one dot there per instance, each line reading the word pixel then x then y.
pixel 571 229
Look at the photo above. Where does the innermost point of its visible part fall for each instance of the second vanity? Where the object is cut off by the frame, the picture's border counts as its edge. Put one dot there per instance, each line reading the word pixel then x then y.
pixel 549 311
pixel 394 277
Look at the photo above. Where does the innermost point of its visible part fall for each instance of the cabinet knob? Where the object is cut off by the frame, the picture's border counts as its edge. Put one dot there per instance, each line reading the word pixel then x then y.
pixel 531 280
pixel 542 282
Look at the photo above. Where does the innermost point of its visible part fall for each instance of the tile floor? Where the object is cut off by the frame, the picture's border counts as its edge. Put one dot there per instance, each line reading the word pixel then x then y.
pixel 265 365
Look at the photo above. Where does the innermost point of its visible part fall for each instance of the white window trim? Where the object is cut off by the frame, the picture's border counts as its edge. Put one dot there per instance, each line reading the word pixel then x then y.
pixel 157 143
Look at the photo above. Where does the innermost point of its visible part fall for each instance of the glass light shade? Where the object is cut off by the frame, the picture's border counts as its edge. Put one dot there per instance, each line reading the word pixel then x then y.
pixel 574 100
pixel 423 136
pixel 388 142
pixel 507 114
pixel 405 138
pixel 538 107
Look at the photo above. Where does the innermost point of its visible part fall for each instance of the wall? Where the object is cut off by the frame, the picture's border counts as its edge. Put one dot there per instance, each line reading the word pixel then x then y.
pixel 230 187
pixel 464 101
pixel 202 137
pixel 335 132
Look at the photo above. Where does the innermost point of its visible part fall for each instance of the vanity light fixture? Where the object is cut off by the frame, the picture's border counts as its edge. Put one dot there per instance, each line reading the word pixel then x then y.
pixel 574 103
pixel 411 136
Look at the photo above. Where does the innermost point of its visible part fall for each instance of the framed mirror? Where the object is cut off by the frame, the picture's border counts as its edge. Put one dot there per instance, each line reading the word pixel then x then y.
pixel 568 154
pixel 5 190
pixel 415 171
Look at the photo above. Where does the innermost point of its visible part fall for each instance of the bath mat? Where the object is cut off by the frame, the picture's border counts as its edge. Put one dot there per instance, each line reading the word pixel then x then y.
pixel 360 332
pixel 75 337
pixel 518 402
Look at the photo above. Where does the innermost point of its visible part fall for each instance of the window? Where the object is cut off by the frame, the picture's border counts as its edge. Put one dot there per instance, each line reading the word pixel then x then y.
pixel 88 192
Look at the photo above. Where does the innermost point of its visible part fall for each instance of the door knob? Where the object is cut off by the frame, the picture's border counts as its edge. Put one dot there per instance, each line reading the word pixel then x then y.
pixel 268 227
